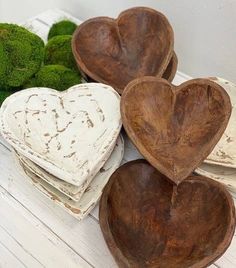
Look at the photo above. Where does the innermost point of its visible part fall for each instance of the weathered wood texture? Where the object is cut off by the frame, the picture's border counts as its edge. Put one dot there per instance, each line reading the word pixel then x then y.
pixel 175 128
pixel 149 222
pixel 115 51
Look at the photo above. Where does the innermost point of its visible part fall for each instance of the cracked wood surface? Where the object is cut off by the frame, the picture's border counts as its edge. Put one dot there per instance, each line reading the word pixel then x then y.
pixel 27 216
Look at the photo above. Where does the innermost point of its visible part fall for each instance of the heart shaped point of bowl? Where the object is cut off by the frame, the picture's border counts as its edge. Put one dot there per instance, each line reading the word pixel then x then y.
pixel 175 128
pixel 115 51
pixel 149 222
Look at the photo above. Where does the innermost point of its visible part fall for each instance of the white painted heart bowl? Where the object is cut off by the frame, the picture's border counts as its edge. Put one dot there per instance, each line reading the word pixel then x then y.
pixel 69 134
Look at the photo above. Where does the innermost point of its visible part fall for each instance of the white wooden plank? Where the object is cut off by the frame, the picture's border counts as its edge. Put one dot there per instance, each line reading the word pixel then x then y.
pixel 229 258
pixel 38 28
pixel 8 259
pixel 47 251
pixel 54 15
pixel 85 237
pixel 11 243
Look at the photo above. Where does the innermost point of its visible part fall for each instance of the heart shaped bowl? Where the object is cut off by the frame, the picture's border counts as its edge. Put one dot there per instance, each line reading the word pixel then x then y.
pixel 175 127
pixel 149 222
pixel 70 134
pixel 115 51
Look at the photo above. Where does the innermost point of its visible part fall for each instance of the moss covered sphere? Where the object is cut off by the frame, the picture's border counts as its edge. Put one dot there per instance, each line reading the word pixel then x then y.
pixel 64 27
pixel 54 76
pixel 58 51
pixel 21 55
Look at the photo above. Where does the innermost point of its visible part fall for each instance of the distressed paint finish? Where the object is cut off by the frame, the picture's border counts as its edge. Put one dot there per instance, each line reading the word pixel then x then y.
pixel 224 153
pixel 91 195
pixel 70 134
pixel 72 191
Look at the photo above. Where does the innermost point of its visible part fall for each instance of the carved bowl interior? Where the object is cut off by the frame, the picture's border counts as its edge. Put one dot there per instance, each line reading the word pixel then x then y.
pixel 115 51
pixel 168 74
pixel 175 128
pixel 148 222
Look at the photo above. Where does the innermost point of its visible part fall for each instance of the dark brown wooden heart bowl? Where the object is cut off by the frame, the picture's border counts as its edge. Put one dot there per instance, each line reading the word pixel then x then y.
pixel 175 128
pixel 148 222
pixel 115 51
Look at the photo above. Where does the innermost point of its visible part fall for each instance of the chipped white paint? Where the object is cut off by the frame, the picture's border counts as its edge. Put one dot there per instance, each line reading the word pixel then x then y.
pixel 70 190
pixel 70 134
pixel 93 192
pixel 25 213
pixel 225 175
pixel 224 153
pixel 66 188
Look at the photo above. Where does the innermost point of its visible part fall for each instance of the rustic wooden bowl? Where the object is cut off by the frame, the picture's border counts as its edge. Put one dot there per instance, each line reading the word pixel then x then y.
pixel 115 51
pixel 148 222
pixel 175 128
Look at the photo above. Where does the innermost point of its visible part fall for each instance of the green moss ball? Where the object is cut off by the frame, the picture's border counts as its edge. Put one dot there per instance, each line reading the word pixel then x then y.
pixel 3 95
pixel 58 51
pixel 64 27
pixel 54 76
pixel 21 55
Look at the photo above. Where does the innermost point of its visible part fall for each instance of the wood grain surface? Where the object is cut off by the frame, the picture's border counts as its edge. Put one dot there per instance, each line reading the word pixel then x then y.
pixel 175 128
pixel 115 51
pixel 149 222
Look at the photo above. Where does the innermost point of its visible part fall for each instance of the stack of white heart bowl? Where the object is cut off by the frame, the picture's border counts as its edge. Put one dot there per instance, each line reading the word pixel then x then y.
pixel 67 143
pixel 221 163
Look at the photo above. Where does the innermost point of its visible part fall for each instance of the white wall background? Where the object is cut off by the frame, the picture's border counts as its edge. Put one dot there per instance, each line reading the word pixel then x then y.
pixel 205 31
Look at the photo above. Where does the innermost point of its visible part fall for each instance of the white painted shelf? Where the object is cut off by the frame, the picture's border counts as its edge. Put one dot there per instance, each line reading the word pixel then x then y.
pixel 34 231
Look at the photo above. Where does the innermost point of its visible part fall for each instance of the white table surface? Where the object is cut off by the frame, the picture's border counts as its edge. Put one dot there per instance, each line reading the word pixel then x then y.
pixel 34 231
